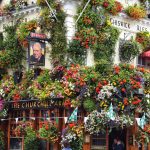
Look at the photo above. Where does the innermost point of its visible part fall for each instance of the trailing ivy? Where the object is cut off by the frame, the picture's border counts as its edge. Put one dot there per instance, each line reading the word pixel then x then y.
pixel 58 38
pixel 12 55
pixel 76 52
pixel 106 45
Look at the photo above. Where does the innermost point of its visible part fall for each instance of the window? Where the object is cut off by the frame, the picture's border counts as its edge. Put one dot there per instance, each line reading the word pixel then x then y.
pixel 15 143
pixel 141 61
pixel 43 145
pixel 98 142
pixel 44 114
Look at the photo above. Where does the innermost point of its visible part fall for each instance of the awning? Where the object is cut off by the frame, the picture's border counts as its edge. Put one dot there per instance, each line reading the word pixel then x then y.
pixel 146 54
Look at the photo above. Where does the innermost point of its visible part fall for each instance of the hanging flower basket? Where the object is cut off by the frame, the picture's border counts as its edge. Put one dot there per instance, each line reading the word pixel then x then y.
pixel 144 39
pixel 136 12
pixel 129 50
pixel 48 132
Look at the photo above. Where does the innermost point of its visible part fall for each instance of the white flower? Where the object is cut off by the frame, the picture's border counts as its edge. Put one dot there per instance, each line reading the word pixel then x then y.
pixel 2 93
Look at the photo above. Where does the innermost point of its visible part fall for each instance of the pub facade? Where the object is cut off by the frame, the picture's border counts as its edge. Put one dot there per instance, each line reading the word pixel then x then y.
pixel 48 104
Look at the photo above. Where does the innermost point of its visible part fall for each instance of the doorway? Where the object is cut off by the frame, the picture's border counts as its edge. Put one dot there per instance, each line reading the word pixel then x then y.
pixel 117 134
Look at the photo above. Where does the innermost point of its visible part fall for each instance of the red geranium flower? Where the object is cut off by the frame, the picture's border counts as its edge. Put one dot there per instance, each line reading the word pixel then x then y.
pixel 71 125
pixel 123 90
pixel 105 4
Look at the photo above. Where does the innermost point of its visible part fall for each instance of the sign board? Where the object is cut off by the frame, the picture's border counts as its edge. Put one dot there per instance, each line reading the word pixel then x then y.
pixel 36 104
pixel 131 25
pixel 38 36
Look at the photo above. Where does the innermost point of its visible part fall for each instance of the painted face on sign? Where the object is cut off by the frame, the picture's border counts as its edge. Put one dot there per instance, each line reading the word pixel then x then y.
pixel 37 50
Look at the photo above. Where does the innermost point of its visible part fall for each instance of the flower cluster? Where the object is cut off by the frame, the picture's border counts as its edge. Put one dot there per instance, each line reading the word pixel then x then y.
pixel 19 130
pixel 87 37
pixel 82 86
pixel 113 7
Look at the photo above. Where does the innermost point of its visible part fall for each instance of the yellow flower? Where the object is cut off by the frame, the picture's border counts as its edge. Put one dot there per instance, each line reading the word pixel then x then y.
pixel 114 83
pixel 108 23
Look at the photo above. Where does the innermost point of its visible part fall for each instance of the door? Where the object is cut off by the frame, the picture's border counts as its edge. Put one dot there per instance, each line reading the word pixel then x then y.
pixel 118 134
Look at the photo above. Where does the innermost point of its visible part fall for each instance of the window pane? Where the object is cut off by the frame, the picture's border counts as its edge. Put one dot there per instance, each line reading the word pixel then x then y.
pixel 99 142
pixel 15 144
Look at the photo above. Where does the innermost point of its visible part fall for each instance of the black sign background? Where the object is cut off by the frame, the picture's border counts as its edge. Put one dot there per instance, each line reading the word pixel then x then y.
pixel 36 104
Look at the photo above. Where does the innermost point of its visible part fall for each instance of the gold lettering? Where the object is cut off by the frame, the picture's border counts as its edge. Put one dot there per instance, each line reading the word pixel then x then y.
pixel 23 105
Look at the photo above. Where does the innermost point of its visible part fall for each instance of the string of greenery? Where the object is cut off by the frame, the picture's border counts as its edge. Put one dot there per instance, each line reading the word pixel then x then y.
pixel 55 27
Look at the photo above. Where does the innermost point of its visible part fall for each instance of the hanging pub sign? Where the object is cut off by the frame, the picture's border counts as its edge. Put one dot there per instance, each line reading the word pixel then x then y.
pixel 36 52
pixel 38 36
pixel 36 104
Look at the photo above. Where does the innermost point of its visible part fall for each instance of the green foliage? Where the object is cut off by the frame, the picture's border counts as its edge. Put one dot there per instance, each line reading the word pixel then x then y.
pixel 58 39
pixel 76 52
pixel 77 144
pixel 55 27
pixel 30 140
pixel 1 42
pixel 105 49
pixel 42 3
pixel 129 50
pixel 2 143
pixel 12 56
pixel 90 18
pixel 89 105
pixel 103 67
pixel 45 21
pixel 44 78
